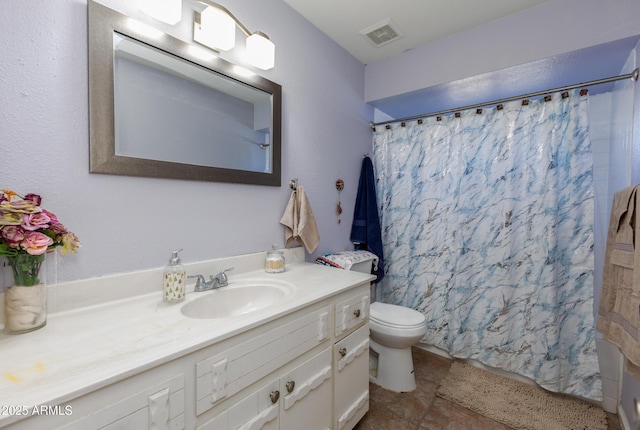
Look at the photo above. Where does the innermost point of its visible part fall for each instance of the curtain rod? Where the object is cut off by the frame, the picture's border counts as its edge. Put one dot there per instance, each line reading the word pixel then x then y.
pixel 633 76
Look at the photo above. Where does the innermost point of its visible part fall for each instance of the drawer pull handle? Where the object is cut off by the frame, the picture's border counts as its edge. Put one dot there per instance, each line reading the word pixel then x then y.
pixel 342 352
pixel 274 396
pixel 357 313
pixel 290 386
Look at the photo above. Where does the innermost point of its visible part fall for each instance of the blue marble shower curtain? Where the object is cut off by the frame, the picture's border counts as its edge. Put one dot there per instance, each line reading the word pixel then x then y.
pixel 487 225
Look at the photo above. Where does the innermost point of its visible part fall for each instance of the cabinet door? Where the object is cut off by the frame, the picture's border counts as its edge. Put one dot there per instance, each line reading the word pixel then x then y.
pixel 306 390
pixel 351 378
pixel 157 407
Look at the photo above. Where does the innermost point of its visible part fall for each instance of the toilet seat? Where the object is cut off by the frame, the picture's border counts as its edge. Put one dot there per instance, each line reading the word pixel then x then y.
pixel 394 316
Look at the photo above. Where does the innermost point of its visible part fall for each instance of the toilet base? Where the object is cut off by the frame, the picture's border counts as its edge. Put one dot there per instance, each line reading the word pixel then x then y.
pixel 395 368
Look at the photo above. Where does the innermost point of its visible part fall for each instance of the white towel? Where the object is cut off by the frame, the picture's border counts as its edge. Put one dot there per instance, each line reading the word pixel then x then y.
pixel 346 259
pixel 299 222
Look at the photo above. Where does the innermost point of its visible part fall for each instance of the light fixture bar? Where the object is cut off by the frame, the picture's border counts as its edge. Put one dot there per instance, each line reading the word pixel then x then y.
pixel 212 28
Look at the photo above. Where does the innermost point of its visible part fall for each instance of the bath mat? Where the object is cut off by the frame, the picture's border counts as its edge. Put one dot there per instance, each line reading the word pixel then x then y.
pixel 518 404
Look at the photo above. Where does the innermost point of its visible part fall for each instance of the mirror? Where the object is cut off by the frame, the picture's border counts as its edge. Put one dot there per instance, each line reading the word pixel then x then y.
pixel 160 107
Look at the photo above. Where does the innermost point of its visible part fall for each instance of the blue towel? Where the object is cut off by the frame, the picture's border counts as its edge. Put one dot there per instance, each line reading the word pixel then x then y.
pixel 365 230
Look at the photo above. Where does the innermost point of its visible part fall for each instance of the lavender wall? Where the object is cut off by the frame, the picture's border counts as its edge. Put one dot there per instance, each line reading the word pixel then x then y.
pixel 128 223
pixel 547 30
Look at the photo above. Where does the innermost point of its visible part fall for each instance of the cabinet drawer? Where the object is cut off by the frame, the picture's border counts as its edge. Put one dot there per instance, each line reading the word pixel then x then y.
pixel 225 374
pixel 352 313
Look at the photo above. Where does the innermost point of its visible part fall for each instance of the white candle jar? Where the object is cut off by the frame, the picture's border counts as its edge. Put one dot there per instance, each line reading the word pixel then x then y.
pixel 274 263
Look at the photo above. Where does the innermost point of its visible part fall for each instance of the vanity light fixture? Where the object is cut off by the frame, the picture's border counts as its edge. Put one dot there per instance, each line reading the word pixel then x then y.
pixel 215 27
pixel 167 11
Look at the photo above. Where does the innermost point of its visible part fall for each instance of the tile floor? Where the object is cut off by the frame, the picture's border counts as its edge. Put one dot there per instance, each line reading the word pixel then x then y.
pixel 422 409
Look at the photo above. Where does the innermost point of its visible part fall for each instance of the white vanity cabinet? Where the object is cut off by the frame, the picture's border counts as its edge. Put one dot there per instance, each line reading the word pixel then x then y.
pixel 313 390
pixel 154 399
pixel 304 368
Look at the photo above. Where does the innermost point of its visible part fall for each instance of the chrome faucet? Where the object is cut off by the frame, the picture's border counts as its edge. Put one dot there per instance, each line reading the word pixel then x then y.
pixel 217 281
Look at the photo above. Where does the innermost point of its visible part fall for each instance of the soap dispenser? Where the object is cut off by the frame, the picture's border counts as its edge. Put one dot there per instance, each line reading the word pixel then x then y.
pixel 174 275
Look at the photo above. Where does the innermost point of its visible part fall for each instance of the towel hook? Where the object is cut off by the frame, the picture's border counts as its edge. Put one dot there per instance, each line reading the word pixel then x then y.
pixel 293 184
pixel 339 187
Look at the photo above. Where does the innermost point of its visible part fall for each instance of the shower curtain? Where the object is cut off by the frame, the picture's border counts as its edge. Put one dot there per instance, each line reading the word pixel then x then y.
pixel 487 224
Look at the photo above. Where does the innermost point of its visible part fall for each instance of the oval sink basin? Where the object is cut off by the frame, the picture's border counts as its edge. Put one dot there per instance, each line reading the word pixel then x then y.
pixel 238 298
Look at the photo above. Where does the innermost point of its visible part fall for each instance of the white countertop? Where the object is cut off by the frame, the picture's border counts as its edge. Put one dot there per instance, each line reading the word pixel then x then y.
pixel 84 349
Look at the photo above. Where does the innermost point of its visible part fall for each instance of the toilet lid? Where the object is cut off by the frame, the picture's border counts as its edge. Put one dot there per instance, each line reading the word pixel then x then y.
pixel 394 315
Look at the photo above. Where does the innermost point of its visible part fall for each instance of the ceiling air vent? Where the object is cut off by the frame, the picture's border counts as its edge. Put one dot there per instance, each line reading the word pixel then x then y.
pixel 382 33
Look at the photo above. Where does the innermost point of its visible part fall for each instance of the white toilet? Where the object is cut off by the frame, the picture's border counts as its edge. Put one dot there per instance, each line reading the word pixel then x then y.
pixel 394 330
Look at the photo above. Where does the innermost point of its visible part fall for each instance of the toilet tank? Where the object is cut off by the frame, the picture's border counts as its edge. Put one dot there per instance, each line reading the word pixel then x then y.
pixel 363 266
pixel 358 261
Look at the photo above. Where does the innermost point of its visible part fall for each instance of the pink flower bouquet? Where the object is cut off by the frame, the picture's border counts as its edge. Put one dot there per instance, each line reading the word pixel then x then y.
pixel 27 232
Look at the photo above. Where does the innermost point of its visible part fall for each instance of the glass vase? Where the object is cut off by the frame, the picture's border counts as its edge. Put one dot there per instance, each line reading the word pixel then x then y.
pixel 25 301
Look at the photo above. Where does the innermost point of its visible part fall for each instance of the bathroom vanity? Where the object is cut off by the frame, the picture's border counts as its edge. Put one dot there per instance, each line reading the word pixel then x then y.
pixel 295 355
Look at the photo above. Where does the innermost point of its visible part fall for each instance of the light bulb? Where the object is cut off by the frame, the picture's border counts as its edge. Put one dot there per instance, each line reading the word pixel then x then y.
pixel 261 51
pixel 218 29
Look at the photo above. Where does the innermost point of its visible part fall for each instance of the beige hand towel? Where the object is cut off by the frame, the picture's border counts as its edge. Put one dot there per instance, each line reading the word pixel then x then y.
pixel 619 310
pixel 299 222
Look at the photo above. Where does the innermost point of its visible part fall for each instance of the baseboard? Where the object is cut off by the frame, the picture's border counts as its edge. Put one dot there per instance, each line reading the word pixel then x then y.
pixel 624 421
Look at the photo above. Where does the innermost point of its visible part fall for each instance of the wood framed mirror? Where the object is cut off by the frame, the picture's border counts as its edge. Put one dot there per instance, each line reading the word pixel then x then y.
pixel 160 107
